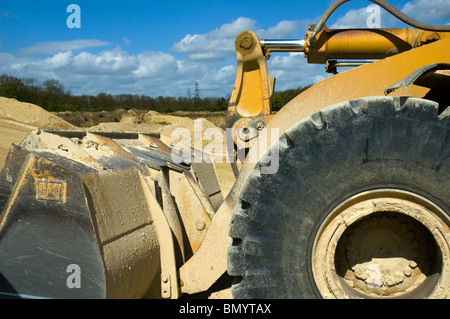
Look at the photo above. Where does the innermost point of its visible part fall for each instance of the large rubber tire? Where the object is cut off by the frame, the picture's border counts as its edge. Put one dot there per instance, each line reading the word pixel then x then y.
pixel 346 149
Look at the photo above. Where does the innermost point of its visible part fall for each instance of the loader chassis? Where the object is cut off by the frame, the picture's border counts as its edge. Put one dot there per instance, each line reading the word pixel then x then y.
pixel 371 79
pixel 363 157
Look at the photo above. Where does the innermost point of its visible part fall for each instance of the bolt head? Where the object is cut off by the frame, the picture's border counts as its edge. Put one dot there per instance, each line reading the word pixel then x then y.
pixel 200 224
pixel 246 42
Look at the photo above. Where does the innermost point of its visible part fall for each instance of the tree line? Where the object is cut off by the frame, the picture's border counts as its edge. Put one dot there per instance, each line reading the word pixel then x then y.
pixel 52 96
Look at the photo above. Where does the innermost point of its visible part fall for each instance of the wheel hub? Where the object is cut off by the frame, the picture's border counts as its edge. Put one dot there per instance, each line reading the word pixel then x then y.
pixel 382 244
pixel 383 251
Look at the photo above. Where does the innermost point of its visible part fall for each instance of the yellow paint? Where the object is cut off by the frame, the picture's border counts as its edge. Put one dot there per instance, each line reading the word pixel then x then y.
pixel 51 190
pixel 251 96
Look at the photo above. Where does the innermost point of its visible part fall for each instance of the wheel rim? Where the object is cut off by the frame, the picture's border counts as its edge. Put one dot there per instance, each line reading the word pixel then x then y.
pixel 383 244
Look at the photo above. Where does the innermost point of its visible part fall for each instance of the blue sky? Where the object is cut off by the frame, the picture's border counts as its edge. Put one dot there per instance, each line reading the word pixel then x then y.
pixel 164 47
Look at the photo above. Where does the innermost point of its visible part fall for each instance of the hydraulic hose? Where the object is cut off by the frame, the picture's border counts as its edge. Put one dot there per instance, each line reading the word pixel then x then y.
pixel 388 7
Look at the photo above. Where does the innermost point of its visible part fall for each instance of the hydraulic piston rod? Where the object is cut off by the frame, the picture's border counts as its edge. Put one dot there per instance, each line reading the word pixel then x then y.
pixel 354 44
pixel 283 45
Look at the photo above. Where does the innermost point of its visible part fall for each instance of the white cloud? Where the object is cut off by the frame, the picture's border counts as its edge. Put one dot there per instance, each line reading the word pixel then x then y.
pixel 219 43
pixel 352 19
pixel 225 74
pixel 106 62
pixel 213 81
pixel 371 16
pixel 156 65
pixel 283 29
pixel 422 10
pixel 6 58
pixel 127 41
pixel 215 45
pixel 292 71
pixel 53 47
pixel 428 9
pixel 114 71
pixel 58 61
pixel 208 59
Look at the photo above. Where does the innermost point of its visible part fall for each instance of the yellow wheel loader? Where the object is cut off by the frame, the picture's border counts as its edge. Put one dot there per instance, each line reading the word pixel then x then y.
pixel 343 193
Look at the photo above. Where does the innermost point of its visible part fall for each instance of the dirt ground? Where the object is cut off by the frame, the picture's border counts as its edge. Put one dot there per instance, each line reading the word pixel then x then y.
pixel 10 132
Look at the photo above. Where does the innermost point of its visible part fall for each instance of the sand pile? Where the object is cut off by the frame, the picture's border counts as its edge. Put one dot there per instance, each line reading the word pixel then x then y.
pixel 168 125
pixel 133 121
pixel 30 114
pixel 199 133
pixel 126 127
pixel 150 117
pixel 200 130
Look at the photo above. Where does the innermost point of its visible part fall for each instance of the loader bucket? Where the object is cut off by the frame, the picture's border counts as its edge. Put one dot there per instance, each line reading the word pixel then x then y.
pixel 91 215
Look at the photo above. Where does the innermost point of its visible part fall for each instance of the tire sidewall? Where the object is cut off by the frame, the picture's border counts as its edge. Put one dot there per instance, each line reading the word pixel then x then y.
pixel 354 152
